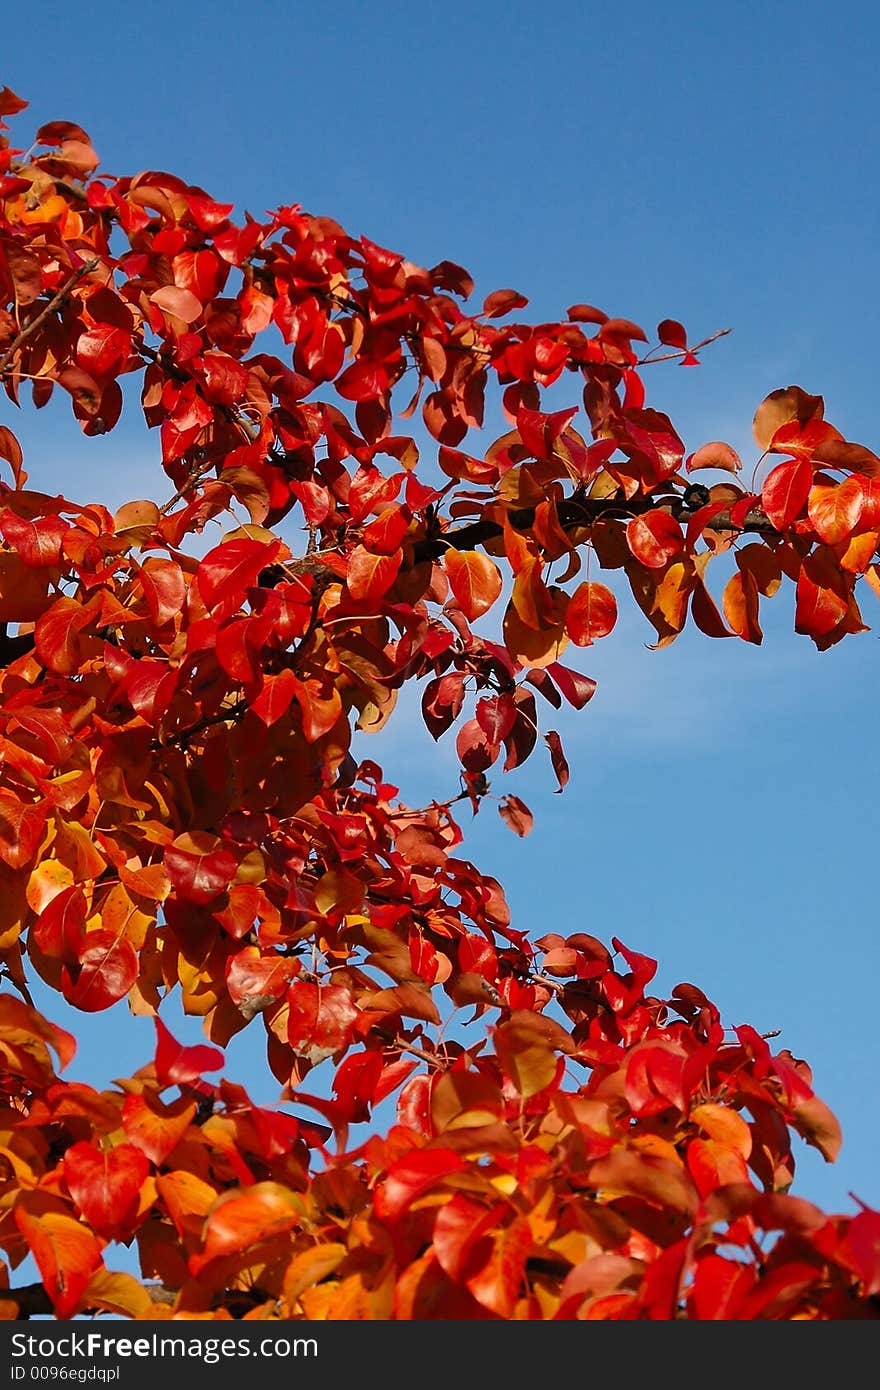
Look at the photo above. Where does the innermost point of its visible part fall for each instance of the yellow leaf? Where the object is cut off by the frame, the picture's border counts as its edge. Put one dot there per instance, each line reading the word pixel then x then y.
pixel 46 881
pixel 310 1267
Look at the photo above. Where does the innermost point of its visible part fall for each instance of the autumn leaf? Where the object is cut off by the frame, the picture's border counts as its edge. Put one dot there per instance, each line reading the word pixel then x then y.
pixel 66 1252
pixel 239 1220
pixel 475 581
pixel 105 1184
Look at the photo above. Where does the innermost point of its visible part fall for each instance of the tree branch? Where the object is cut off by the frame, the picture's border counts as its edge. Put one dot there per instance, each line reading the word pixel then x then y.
pixel 85 269
pixel 575 512
pixel 33 1301
pixel 648 360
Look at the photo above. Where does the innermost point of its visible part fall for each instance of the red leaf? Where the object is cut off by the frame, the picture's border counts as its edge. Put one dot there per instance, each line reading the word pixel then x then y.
pixel 56 636
pixel 227 571
pixel 495 716
pixel 60 927
pixel 177 1065
pixel 106 970
pixel 21 829
pixel 105 1184
pixel 622 328
pixel 460 1224
pixel 10 104
pixel 102 350
pixel 591 614
pixel 371 491
pixel 65 1251
pixel 199 875
pixel 501 302
pixel 475 748
pixel 855 458
pixel 557 758
pixel 370 576
pixel 540 432
pixel 442 702
pixel 821 598
pixel 833 510
pixel 355 1082
pixel 860 1249
pixel 384 535
pixel 255 978
pixel 671 332
pixel 320 1018
pixel 500 1283
pixel 409 1177
pixel 785 491
pixel 577 689
pixel 274 699
pixel 363 381
pixel 720 1288
pixel 164 588
pixel 516 814
pixel 10 450
pixel 182 304
pixel 654 538
pixel 154 1128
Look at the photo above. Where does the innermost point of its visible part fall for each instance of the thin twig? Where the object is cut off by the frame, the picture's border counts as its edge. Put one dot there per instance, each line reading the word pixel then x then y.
pixel 224 716
pixel 648 360
pixel 85 269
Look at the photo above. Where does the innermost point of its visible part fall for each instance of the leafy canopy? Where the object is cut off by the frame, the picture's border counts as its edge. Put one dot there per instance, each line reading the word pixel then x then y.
pixel 181 811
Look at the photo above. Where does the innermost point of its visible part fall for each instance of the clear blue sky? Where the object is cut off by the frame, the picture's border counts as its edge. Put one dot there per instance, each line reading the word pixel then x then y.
pixel 717 164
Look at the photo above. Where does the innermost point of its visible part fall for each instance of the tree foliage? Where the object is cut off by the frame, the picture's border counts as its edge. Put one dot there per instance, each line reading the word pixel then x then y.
pixel 181 811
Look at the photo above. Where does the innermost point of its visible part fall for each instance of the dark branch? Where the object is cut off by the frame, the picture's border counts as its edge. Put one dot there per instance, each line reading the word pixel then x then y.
pixel 577 512
pixel 54 302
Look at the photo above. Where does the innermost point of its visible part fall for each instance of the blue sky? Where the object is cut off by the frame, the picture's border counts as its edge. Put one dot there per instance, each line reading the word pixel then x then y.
pixel 713 164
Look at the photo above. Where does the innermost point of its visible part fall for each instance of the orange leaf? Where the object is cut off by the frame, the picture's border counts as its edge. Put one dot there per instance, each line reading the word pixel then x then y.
pixel 740 604
pixel 118 1293
pixel 725 1125
pixel 500 1283
pixel 660 1181
pixel 532 648
pixel 154 1128
pixel 370 576
pixel 527 1047
pixel 475 581
pixel 715 455
pixel 781 407
pixel 821 598
pixel 591 614
pixel 816 1123
pixel 654 538
pixel 465 1099
pixel 834 509
pixel 66 1252
pixel 240 1220
pixel 310 1267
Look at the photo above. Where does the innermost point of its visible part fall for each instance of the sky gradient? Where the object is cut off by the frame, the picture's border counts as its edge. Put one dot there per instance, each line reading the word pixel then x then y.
pixel 715 165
